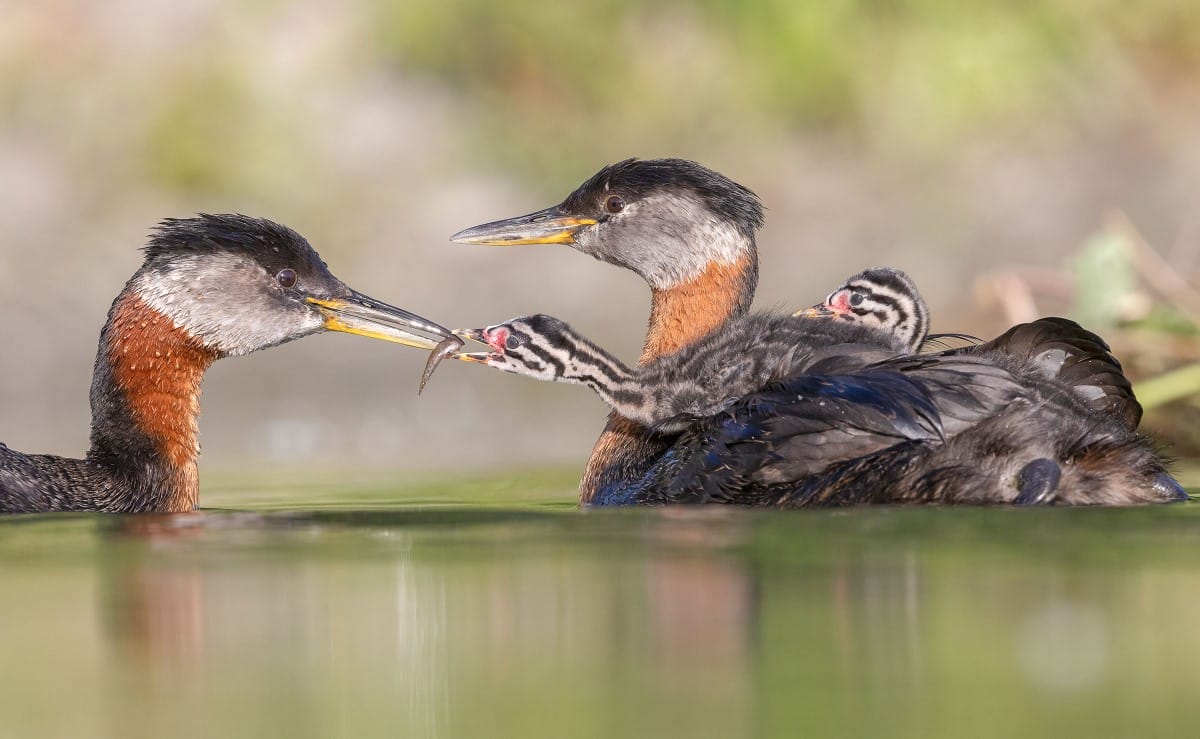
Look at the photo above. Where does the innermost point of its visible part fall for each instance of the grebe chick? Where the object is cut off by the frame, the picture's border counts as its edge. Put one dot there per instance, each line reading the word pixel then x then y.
pixel 994 425
pixel 882 307
pixel 670 392
pixel 884 298
pixel 210 287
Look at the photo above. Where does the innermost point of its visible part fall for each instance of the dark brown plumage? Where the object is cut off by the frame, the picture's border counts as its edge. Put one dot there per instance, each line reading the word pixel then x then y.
pixel 210 287
pixel 1042 414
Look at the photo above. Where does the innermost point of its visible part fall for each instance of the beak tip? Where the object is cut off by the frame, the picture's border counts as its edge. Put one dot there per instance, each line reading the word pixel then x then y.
pixel 470 334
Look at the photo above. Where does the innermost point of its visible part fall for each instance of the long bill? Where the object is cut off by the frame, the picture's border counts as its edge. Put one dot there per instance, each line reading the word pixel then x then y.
pixel 365 316
pixel 548 226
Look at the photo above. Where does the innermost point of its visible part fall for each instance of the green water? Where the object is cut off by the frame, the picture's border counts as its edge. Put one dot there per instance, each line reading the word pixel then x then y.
pixel 498 609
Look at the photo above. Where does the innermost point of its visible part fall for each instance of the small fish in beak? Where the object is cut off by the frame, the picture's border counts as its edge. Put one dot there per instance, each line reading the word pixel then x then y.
pixel 447 347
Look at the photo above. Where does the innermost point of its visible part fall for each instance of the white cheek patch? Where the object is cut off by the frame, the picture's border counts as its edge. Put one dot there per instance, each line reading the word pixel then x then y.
pixel 173 293
pixel 680 237
pixel 219 300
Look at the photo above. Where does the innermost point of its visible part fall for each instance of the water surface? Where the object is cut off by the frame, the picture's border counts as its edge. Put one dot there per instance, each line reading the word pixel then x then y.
pixel 499 609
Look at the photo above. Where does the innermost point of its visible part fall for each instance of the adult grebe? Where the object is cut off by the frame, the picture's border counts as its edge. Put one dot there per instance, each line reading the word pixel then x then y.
pixel 998 423
pixel 210 287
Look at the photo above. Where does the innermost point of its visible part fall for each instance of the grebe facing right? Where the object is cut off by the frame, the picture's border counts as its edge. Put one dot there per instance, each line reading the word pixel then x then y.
pixel 210 287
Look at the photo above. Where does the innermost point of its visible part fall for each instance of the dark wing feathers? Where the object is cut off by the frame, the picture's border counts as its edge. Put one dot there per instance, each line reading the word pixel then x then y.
pixel 1041 414
pixel 964 389
pixel 774 443
pixel 1062 350
pixel 798 428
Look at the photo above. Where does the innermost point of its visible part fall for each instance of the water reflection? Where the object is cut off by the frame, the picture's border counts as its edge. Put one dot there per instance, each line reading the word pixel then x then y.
pixel 196 615
pixel 1063 646
pixel 181 606
pixel 527 623
pixel 154 615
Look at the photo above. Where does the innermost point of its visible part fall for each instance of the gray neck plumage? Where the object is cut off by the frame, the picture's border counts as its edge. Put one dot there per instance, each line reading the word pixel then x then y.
pixel 579 360
pixel 660 400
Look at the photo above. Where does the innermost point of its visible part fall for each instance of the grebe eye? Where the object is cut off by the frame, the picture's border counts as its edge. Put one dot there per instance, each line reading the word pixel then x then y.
pixel 512 342
pixel 286 278
pixel 615 204
pixel 856 299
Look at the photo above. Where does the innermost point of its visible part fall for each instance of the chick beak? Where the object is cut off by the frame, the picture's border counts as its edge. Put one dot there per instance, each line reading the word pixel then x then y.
pixel 477 335
pixel 817 311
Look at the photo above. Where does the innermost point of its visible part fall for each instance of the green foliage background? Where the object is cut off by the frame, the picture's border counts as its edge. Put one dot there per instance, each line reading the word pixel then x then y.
pixel 953 139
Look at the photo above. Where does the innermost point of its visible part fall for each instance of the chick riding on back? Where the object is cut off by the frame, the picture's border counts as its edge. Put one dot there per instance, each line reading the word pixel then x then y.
pixel 884 298
pixel 962 426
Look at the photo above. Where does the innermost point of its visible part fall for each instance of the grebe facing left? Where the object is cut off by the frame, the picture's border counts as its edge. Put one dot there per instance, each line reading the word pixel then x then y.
pixel 1042 414
pixel 880 314
pixel 210 287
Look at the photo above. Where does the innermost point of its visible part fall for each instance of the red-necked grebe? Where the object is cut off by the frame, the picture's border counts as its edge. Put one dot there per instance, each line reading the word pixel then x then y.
pixel 1043 414
pixel 210 287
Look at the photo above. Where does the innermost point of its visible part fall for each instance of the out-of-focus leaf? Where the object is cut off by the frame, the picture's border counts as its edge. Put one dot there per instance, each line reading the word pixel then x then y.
pixel 1104 277
pixel 1169 387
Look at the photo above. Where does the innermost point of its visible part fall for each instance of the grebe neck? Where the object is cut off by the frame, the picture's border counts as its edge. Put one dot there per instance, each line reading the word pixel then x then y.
pixel 682 314
pixel 679 316
pixel 145 403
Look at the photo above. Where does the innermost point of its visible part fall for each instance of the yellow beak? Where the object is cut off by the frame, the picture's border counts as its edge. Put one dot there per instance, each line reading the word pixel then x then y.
pixel 549 226
pixel 363 316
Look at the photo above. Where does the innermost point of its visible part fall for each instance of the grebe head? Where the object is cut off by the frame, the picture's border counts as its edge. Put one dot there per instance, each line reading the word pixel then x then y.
pixel 538 346
pixel 238 284
pixel 666 219
pixel 883 298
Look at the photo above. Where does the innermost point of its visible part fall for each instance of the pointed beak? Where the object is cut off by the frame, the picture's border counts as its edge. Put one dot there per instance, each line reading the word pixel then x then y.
pixel 471 334
pixel 549 226
pixel 817 311
pixel 364 316
pixel 477 335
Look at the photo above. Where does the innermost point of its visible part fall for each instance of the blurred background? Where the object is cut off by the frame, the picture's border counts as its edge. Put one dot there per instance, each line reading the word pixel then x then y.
pixel 1016 159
